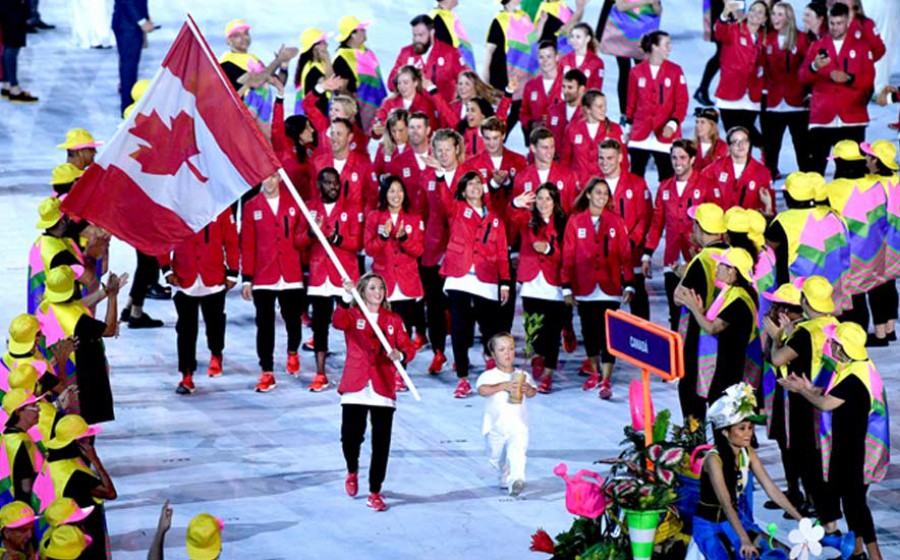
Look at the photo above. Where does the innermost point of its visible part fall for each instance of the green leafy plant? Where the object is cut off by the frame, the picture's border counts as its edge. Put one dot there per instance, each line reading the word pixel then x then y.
pixel 533 324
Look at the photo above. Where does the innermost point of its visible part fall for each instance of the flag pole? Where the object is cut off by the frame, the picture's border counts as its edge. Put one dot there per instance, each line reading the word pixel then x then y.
pixel 343 272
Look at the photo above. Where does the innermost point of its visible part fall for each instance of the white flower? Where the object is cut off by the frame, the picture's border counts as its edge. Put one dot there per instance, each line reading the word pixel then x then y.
pixel 805 540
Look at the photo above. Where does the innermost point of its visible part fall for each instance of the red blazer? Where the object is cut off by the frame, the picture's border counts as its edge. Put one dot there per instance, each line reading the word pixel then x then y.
pixel 632 202
pixel 592 66
pixel 579 152
pixel 865 29
pixel 347 220
pixel 557 122
pixel 535 101
pixel 560 175
pixel 366 359
pixel 271 243
pixel 718 150
pixel 671 215
pixel 722 185
pixel 359 185
pixel 396 260
pixel 213 253
pixel 435 196
pixel 780 69
pixel 388 165
pixel 453 116
pixel 740 72
pixel 653 103
pixel 475 241
pixel 443 66
pixel 599 257
pixel 302 174
pixel 421 102
pixel 830 99
pixel 359 143
pixel 530 261
pixel 498 198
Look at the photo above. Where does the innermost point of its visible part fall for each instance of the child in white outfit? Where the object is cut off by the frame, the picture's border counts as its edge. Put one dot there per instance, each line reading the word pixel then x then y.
pixel 505 424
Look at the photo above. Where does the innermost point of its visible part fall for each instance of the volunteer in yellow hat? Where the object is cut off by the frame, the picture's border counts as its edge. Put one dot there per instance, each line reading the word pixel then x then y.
pixel 314 63
pixel 23 331
pixel 17 522
pixel 64 176
pixel 847 150
pixel 348 25
pixel 204 537
pixel 800 187
pixel 137 92
pixel 64 543
pixel 698 278
pixel 20 414
pixel 81 148
pixel 817 292
pixel 64 511
pixel 737 225
pixel 881 151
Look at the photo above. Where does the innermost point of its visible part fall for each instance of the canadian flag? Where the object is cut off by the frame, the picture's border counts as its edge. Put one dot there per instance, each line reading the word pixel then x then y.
pixel 188 150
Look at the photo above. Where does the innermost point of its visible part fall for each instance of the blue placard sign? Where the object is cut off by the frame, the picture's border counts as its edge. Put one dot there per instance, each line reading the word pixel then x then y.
pixel 646 347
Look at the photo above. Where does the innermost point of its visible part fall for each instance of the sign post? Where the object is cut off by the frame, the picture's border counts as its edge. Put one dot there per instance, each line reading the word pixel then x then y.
pixel 648 346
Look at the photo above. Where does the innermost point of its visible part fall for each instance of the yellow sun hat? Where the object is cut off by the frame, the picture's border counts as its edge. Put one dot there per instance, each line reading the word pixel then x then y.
pixel 710 216
pixel 66 542
pixel 235 26
pixel 24 376
pixel 800 186
pixel 884 150
pixel 64 511
pixel 738 259
pixel 49 213
pixel 78 139
pixel 311 37
pixel 60 284
pixel 851 337
pixel 71 427
pixel 786 293
pixel 348 25
pixel 204 537
pixel 737 220
pixel 16 514
pixel 818 292
pixel 23 331
pixel 847 150
pixel 65 173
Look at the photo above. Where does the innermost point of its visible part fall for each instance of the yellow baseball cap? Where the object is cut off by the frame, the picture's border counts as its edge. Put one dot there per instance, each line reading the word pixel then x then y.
pixel 204 537
pixel 23 330
pixel 48 212
pixel 71 427
pixel 738 259
pixel 819 185
pixel 60 284
pixel 64 511
pixel 311 37
pixel 710 216
pixel 737 220
pixel 65 542
pixel 885 151
pixel 235 26
pixel 757 227
pixel 16 399
pixel 16 514
pixel 847 150
pixel 348 25
pixel 818 291
pixel 786 293
pixel 79 139
pixel 65 173
pixel 851 337
pixel 800 186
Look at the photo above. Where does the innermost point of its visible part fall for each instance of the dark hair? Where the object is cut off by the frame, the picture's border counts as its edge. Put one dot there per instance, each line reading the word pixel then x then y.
pixel 419 115
pixel 343 121
pixel 464 182
pixel 325 171
pixel 293 128
pixel 559 215
pixel 686 145
pixel 386 182
pixel 611 144
pixel 708 113
pixel 493 124
pixel 792 203
pixel 539 133
pixel 729 465
pixel 590 96
pixel 734 130
pixel 881 169
pixel 742 282
pixel 575 75
pixel 547 44
pixel 845 169
pixel 422 19
pixel 492 342
pixel 652 39
pixel 741 240
pixel 409 69
pixel 839 10
pixel 592 42
pixel 818 8
pixel 486 110
pixel 581 201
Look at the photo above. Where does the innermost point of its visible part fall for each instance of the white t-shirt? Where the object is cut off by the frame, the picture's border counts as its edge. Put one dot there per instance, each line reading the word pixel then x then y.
pixel 570 112
pixel 499 414
pixel 548 85
pixel 543 174
pixel 339 164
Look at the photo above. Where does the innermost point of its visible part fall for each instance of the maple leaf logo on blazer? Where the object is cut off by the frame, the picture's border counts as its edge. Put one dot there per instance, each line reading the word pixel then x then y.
pixel 168 148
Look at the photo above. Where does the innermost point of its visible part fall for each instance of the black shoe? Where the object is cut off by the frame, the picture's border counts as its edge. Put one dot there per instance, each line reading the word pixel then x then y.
pixel 144 322
pixel 31 29
pixel 4 92
pixel 892 336
pixel 873 341
pixel 22 97
pixel 702 97
pixel 155 291
pixel 125 316
pixel 44 25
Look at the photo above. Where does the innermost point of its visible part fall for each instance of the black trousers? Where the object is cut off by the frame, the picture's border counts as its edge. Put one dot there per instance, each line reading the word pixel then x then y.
pixel 624 64
pixel 508 311
pixel 188 309
pixel 146 273
pixel 129 42
pixel 436 307
pixel 413 314
pixel 691 403
pixel 806 456
pixel 822 140
pixel 791 472
pixel 858 313
pixel 745 118
pixel 882 300
pixel 671 281
pixel 774 125
pixel 291 303
pixel 465 310
pixel 849 492
pixel 322 310
pixel 546 342
pixel 640 158
pixel 640 300
pixel 353 433
pixel 593 328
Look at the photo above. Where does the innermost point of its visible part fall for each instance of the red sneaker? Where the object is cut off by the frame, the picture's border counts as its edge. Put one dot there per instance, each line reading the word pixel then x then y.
pixel 306 320
pixel 894 126
pixel 186 385
pixel 310 345
pixel 587 368
pixel 546 385
pixel 591 382
pixel 463 389
pixel 606 389
pixel 399 384
pixel 266 382
pixel 419 342
pixel 351 485
pixel 570 343
pixel 376 502
pixel 319 383
pixel 215 366
pixel 437 364
pixel 293 363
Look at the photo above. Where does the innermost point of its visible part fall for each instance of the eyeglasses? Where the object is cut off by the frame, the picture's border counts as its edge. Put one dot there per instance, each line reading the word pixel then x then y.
pixel 740 143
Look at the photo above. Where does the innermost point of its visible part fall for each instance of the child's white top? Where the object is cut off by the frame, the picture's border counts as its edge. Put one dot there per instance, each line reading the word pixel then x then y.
pixel 499 413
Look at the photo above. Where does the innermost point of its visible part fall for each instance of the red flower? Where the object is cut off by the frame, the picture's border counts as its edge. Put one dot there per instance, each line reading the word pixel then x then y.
pixel 541 542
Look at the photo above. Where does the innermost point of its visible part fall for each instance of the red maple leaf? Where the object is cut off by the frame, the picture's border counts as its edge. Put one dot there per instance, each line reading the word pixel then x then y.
pixel 168 148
